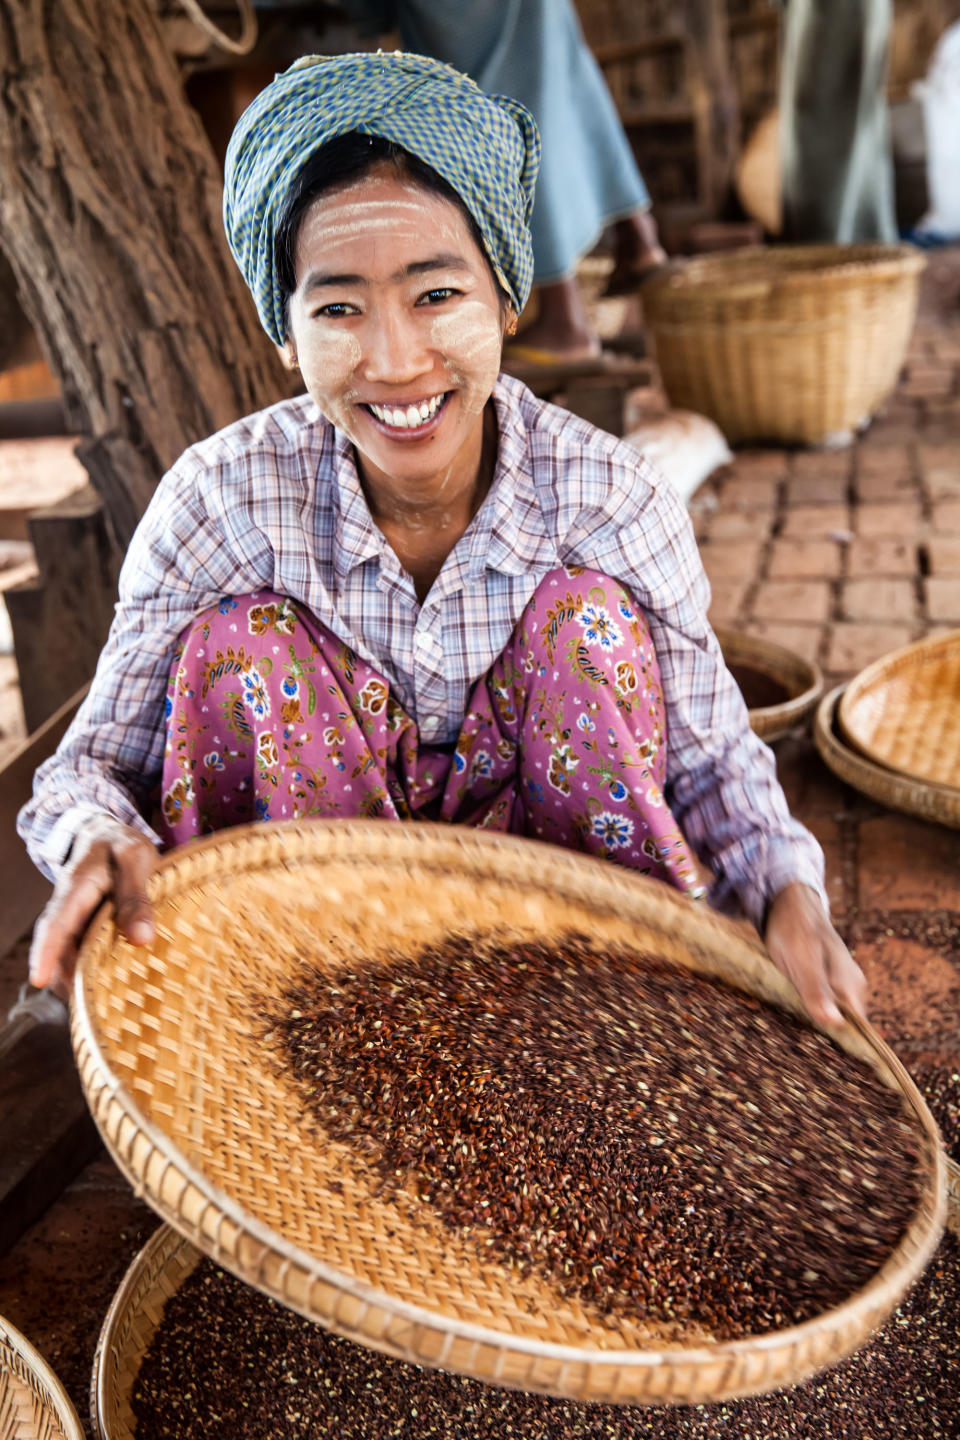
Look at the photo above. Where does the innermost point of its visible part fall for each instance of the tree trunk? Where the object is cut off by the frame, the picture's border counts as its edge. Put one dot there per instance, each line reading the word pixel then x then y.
pixel 13 323
pixel 110 217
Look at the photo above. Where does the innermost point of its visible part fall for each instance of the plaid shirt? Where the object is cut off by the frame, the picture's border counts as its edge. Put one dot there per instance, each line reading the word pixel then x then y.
pixel 274 502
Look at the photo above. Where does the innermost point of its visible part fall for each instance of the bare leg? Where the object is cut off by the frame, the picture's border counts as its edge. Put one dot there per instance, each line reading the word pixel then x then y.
pixel 562 325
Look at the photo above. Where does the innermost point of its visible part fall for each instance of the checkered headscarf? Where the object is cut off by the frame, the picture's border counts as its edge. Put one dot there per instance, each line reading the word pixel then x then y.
pixel 485 146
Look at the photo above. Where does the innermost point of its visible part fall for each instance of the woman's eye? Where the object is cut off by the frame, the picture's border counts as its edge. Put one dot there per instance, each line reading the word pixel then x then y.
pixel 437 297
pixel 335 310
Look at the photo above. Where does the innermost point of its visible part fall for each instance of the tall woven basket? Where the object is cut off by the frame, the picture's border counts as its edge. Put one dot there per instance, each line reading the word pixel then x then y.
pixel 792 343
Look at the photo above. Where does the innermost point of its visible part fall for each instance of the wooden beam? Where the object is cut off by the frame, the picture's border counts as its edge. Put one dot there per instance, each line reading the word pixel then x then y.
pixel 47 1134
pixel 61 619
pixel 24 891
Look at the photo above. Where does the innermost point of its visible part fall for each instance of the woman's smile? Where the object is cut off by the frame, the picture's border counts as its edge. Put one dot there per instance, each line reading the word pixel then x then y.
pixel 407 420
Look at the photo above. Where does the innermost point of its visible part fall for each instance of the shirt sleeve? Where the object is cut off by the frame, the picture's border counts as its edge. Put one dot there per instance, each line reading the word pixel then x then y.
pixel 111 757
pixel 721 778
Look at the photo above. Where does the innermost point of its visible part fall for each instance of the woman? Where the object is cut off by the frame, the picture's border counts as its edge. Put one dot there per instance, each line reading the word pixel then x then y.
pixel 416 591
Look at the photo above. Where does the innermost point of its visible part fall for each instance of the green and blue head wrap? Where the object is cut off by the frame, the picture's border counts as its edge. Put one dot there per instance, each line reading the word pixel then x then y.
pixel 485 146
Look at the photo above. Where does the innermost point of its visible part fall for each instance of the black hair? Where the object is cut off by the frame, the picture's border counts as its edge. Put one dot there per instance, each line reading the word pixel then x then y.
pixel 349 157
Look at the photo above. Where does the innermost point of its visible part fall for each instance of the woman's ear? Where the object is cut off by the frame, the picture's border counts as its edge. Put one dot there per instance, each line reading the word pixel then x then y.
pixel 509 321
pixel 290 355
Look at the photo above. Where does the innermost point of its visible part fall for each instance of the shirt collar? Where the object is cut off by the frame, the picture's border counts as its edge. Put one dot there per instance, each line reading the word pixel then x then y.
pixel 496 539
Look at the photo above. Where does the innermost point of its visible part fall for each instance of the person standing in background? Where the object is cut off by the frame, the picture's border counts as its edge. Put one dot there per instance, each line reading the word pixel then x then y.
pixel 834 130
pixel 534 50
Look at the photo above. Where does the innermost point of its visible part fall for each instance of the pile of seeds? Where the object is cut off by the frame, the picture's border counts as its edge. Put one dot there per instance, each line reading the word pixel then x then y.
pixel 656 1144
pixel 940 1087
pixel 227 1362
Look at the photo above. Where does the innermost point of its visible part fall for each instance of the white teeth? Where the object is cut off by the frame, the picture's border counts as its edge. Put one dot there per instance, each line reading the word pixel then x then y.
pixel 410 417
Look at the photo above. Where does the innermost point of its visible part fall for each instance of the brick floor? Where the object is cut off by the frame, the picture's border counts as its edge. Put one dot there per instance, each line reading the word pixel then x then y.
pixel 902 518
pixel 943 555
pixel 808 559
pixel 851 646
pixel 880 599
pixel 879 556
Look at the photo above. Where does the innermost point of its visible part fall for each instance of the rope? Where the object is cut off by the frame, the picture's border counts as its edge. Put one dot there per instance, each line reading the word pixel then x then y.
pixel 248 27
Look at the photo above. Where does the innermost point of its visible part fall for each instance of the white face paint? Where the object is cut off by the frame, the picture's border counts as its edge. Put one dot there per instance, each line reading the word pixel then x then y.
pixel 397 326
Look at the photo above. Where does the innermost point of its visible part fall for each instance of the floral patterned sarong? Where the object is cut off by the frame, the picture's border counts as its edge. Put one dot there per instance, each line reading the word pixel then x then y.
pixel 271 717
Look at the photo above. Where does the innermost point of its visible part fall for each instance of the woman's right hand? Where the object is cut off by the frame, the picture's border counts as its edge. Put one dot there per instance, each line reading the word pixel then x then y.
pixel 108 859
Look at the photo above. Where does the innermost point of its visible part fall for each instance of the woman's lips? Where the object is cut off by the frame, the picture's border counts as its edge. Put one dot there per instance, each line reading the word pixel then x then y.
pixel 408 431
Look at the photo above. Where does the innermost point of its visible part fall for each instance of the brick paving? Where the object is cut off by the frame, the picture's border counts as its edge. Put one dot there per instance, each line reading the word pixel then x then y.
pixel 840 555
pixel 844 556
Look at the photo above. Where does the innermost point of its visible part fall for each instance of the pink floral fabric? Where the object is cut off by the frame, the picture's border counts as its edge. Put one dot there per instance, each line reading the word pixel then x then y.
pixel 271 717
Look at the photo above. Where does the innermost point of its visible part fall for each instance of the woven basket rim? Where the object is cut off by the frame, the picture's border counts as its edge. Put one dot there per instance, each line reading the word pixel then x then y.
pixel 783 664
pixel 914 658
pixel 901 1267
pixel 754 271
pixel 59 1401
pixel 925 798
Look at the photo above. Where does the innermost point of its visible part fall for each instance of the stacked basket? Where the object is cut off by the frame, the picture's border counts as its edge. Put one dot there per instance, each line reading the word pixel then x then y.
pixel 33 1403
pixel 894 731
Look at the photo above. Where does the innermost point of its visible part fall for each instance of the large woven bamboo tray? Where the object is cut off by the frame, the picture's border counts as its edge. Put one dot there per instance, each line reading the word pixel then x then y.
pixel 216 1141
pixel 802 679
pixel 798 343
pixel 33 1403
pixel 940 803
pixel 903 711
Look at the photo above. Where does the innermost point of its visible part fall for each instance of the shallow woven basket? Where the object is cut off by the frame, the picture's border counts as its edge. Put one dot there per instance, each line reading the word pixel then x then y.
pixel 200 1121
pixel 33 1403
pixel 800 678
pixel 903 711
pixel 154 1277
pixel 790 343
pixel 940 803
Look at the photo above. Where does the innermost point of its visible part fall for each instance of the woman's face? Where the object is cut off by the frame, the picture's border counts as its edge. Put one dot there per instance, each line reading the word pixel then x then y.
pixel 397 327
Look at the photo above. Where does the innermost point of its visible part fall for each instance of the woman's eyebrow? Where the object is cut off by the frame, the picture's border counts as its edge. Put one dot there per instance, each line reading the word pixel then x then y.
pixel 448 260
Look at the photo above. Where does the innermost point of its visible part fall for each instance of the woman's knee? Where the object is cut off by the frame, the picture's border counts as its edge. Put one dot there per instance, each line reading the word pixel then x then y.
pixel 591 586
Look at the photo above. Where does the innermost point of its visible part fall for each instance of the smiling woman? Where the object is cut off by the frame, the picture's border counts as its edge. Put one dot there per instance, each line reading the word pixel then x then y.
pixel 416 592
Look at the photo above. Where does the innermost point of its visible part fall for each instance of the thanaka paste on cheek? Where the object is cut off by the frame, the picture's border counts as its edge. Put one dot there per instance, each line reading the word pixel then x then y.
pixel 470 342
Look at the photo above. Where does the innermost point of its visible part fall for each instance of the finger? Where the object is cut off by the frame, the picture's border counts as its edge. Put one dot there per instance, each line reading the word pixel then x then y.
pixel 848 980
pixel 133 866
pixel 809 976
pixel 63 921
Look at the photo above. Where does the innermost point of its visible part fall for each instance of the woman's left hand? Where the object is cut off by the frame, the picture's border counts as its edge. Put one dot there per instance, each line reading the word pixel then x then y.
pixel 804 945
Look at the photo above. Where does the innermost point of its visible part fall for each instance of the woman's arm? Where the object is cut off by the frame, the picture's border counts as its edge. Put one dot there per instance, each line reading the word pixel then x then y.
pixel 112 753
pixel 84 827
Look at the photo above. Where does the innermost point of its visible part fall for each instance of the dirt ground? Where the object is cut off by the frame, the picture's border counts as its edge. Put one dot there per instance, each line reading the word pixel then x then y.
pixel 841 555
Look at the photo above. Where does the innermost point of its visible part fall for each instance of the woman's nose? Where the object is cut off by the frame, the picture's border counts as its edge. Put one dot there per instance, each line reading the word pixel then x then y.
pixel 394 348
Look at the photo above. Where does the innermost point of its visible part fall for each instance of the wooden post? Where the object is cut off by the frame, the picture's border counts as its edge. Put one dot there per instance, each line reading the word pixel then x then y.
pixel 110 218
pixel 713 98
